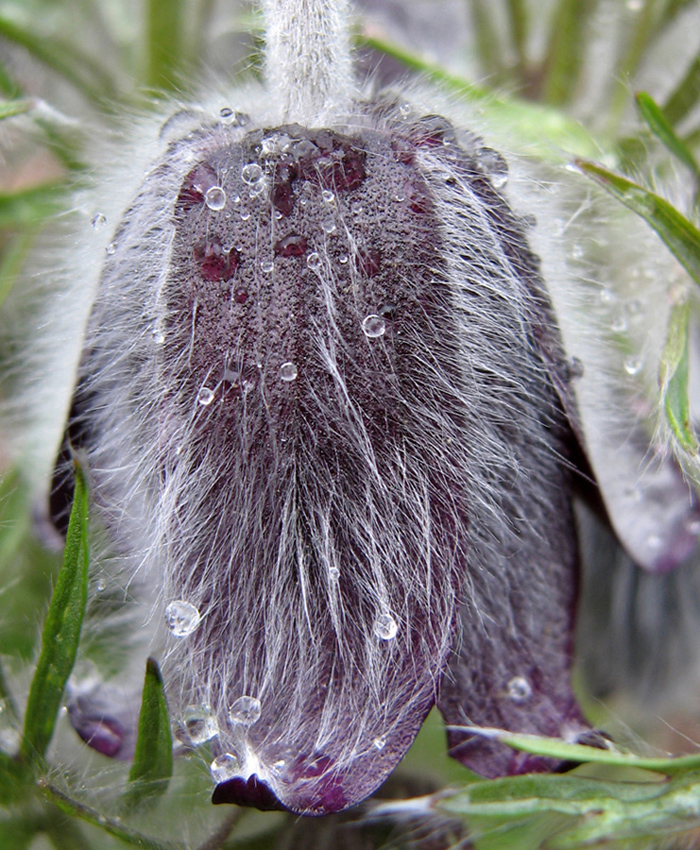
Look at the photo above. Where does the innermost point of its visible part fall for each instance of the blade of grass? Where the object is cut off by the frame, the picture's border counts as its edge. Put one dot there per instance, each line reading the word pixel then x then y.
pixel 684 97
pixel 165 44
pixel 661 127
pixel 558 749
pixel 517 20
pixel 8 108
pixel 680 235
pixel 673 378
pixel 565 52
pixel 488 46
pixel 61 633
pixel 153 760
pixel 545 132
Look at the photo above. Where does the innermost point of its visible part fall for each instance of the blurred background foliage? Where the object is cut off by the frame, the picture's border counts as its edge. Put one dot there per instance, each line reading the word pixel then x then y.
pixel 559 78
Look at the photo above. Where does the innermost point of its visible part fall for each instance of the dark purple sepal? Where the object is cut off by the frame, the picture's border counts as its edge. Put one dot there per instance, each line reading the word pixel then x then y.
pixel 247 792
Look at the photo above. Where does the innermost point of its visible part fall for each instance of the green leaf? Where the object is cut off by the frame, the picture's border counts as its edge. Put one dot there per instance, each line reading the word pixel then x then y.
pixel 684 97
pixel 61 635
pixel 8 108
pixel 29 207
pixel 557 749
pixel 661 127
pixel 153 760
pixel 673 378
pixel 165 44
pixel 681 236
pixel 567 45
pixel 488 46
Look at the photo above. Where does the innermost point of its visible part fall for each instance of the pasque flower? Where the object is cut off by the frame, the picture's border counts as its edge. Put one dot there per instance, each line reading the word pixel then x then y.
pixel 328 426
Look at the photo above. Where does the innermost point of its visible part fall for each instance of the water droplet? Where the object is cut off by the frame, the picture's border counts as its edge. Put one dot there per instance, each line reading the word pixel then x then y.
pixel 98 221
pixel 313 261
pixel 575 368
pixel 205 396
pixel 373 326
pixel 385 627
pixel 251 173
pixel 200 725
pixel 288 371
pixel 334 573
pixel 633 365
pixel 182 618
pixel 519 689
pixel 380 742
pixel 405 110
pixel 328 224
pixel 607 296
pixel 399 199
pixel 158 335
pixel 245 711
pixel 245 215
pixel 110 249
pixel 257 188
pixel 267 266
pixel 495 166
pixel 228 116
pixel 576 252
pixel 356 207
pixel 100 585
pixel 215 198
pixel 342 259
pixel 224 767
pixel 619 324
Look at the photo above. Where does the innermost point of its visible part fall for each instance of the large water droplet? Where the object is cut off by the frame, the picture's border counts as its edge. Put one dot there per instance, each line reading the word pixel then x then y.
pixel 313 261
pixel 98 221
pixel 110 249
pixel 205 396
pixel 199 724
pixel 288 371
pixel 182 618
pixel 245 711
pixel 385 627
pixel 224 767
pixel 215 198
pixel 380 742
pixel 267 266
pixel 328 225
pixel 251 173
pixel 328 196
pixel 373 326
pixel 519 689
pixel 619 324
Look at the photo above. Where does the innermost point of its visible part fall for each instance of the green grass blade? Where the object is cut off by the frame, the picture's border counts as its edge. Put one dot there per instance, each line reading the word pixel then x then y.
pixel 661 127
pixel 153 759
pixel 29 207
pixel 8 108
pixel 61 634
pixel 565 53
pixel 561 750
pixel 684 97
pixel 679 234
pixel 487 44
pixel 165 44
pixel 517 20
pixel 673 378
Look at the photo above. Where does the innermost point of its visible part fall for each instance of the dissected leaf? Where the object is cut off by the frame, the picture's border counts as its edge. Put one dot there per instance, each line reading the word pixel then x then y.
pixel 153 759
pixel 681 236
pixel 61 635
pixel 673 378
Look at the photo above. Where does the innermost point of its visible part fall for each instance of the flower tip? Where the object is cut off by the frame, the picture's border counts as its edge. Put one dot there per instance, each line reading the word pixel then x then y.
pixel 247 792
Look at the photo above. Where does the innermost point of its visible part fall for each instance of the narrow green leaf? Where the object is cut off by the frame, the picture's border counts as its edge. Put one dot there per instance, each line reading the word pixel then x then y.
pixel 661 127
pixel 61 634
pixel 681 236
pixel 543 131
pixel 29 207
pixel 15 780
pixel 8 108
pixel 165 44
pixel 517 21
pixel 565 52
pixel 153 760
pixel 488 46
pixel 561 750
pixel 684 97
pixel 112 826
pixel 673 378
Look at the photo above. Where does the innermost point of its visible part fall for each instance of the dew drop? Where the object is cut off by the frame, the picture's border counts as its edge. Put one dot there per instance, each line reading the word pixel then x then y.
pixel 110 249
pixel 245 215
pixel 328 225
pixel 633 365
pixel 100 585
pixel 205 396
pixel 334 573
pixel 328 196
pixel 98 221
pixel 519 689
pixel 200 725
pixel 182 618
pixel 576 252
pixel 257 188
pixel 227 115
pixel 373 326
pixel 215 198
pixel 313 261
pixel 385 627
pixel 224 767
pixel 288 371
pixel 245 711
pixel 405 110
pixel 607 297
pixel 158 335
pixel 251 173
pixel 380 742
pixel 619 324
pixel 342 259
pixel 267 266
pixel 356 207
pixel 495 166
